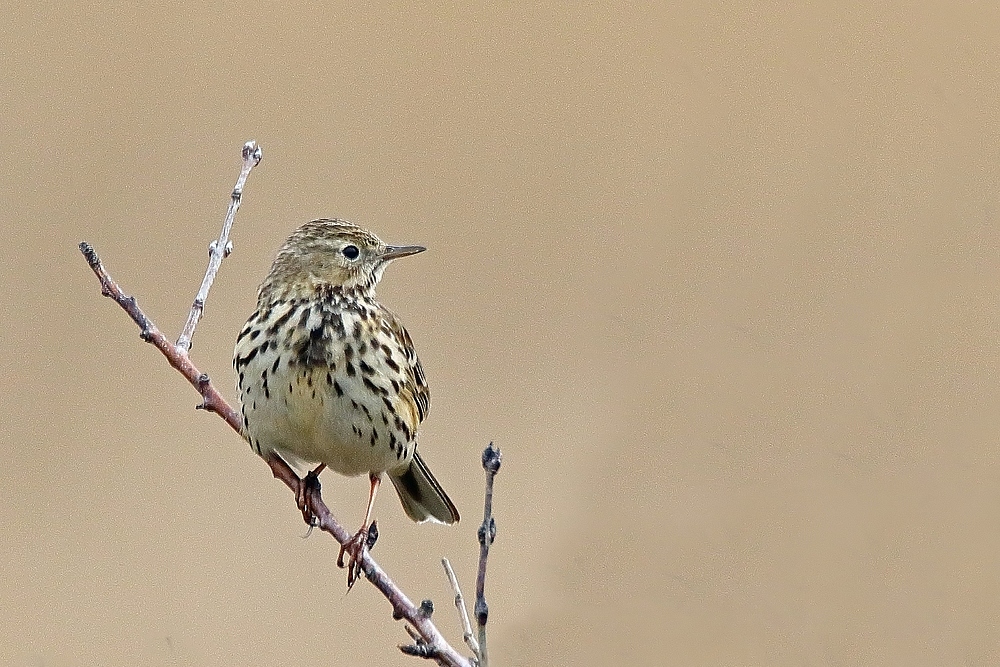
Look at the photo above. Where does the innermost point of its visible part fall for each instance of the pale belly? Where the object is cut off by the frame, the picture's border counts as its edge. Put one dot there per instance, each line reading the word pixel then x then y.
pixel 310 417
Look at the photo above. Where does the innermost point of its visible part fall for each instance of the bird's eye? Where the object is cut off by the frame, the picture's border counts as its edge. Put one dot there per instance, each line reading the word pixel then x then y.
pixel 351 251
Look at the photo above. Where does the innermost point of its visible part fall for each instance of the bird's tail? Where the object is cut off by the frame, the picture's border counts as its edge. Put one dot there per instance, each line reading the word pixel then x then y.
pixel 422 497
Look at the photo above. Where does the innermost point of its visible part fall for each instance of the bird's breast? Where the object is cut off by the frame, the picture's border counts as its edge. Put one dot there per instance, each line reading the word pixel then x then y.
pixel 324 389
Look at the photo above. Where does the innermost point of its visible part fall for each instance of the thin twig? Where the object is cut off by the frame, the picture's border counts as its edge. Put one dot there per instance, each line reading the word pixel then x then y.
pixel 434 645
pixel 221 247
pixel 212 400
pixel 487 533
pixel 463 614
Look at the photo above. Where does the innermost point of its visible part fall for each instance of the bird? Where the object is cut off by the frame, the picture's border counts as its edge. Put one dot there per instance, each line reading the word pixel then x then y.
pixel 328 377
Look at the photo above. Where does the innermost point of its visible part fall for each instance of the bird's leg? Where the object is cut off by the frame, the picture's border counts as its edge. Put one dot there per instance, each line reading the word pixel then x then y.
pixel 363 539
pixel 308 484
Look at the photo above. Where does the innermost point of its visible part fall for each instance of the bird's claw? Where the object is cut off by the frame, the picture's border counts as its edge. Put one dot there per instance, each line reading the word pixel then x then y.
pixel 355 548
pixel 309 484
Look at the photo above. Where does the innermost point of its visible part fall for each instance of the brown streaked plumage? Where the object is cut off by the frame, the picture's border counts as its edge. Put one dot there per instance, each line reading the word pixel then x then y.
pixel 327 375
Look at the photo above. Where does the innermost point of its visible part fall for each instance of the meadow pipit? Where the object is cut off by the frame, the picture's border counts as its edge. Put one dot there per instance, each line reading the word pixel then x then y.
pixel 329 376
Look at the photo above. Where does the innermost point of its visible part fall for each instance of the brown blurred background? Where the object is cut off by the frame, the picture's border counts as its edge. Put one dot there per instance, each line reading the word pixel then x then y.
pixel 720 280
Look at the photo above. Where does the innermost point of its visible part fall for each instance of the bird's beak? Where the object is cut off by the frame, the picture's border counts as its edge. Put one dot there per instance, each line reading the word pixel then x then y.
pixel 397 251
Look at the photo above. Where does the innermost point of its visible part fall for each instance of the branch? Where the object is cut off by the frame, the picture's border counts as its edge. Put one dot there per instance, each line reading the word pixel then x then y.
pixel 487 533
pixel 212 400
pixel 219 249
pixel 433 644
pixel 463 615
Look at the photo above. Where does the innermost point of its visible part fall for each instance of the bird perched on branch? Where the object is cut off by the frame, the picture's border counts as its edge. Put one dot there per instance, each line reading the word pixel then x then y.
pixel 329 376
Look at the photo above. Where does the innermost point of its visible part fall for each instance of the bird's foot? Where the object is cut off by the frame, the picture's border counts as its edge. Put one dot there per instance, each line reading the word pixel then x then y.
pixel 309 484
pixel 364 540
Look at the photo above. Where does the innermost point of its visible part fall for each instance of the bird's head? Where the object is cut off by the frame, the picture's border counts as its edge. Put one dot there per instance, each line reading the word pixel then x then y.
pixel 334 252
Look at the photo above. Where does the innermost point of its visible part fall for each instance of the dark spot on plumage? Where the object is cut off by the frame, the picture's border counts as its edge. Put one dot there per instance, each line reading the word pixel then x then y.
pixel 254 334
pixel 314 394
pixel 241 378
pixel 274 366
pixel 329 379
pixel 289 390
pixel 391 363
pixel 348 352
pixel 280 322
pixel 395 384
pixel 402 426
pixel 388 403
pixel 363 348
pixel 392 440
pixel 304 316
pixel 374 387
pixel 351 371
pixel 354 404
pixel 243 361
pixel 313 350
pixel 309 380
pixel 243 334
pixel 365 368
pixel 357 328
pixel 337 388
pixel 372 439
pixel 364 409
pixel 385 419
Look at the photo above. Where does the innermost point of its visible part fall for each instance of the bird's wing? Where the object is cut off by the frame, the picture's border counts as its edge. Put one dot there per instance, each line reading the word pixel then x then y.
pixel 414 394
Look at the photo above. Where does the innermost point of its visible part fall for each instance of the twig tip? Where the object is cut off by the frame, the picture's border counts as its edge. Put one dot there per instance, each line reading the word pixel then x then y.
pixel 89 254
pixel 492 458
pixel 252 151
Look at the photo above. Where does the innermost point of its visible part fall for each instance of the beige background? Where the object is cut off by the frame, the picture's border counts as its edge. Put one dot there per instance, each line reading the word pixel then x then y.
pixel 720 279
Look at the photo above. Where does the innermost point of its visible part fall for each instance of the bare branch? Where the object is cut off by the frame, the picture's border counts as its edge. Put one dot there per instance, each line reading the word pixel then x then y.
pixel 463 614
pixel 221 247
pixel 212 400
pixel 431 643
pixel 487 533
